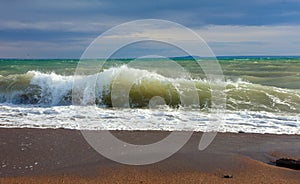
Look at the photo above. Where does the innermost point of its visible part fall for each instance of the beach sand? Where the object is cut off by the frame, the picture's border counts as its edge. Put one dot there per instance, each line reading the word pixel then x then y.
pixel 63 156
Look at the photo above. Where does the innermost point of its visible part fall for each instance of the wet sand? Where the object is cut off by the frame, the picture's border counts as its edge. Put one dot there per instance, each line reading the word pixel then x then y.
pixel 63 156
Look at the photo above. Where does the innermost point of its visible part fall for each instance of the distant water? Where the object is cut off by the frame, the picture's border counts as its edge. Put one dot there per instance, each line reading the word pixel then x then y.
pixel 262 96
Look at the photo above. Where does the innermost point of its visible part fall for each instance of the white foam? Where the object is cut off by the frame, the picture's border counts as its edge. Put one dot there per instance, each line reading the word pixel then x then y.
pixel 92 118
pixel 53 87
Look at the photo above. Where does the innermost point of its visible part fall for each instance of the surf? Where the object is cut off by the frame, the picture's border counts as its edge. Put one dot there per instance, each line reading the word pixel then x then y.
pixel 51 89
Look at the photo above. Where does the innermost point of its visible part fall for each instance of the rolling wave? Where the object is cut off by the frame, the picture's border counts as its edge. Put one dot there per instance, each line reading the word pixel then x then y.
pixel 51 89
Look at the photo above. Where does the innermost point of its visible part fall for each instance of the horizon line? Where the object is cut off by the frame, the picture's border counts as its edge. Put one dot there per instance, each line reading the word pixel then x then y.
pixel 174 57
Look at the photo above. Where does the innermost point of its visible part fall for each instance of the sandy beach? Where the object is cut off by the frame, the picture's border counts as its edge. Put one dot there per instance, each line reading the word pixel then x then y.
pixel 63 156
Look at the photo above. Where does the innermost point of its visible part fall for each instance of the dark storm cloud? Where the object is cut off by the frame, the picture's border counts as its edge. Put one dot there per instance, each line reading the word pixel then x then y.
pixel 60 21
pixel 233 12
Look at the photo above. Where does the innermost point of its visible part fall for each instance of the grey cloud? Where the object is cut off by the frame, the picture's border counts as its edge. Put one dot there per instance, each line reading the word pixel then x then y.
pixel 65 22
pixel 190 12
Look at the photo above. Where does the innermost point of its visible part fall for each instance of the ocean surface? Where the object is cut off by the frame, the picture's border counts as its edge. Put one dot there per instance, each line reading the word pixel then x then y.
pixel 262 96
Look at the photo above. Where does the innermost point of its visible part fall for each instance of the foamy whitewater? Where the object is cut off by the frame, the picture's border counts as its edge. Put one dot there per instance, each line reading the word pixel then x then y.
pixel 36 99
pixel 91 118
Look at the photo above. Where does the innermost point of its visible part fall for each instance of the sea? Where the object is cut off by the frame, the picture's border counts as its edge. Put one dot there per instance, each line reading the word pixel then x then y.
pixel 262 95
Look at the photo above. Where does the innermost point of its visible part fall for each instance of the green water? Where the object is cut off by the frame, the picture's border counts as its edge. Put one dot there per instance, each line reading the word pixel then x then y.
pixel 283 72
pixel 20 66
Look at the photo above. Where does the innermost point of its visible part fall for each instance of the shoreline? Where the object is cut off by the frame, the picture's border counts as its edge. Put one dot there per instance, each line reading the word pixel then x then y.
pixel 63 156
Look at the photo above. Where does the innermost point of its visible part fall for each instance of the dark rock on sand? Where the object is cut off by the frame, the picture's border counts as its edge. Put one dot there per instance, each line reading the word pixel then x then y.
pixel 227 176
pixel 288 163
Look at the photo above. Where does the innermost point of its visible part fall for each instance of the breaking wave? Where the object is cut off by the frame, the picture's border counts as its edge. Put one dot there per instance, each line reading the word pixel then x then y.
pixel 51 89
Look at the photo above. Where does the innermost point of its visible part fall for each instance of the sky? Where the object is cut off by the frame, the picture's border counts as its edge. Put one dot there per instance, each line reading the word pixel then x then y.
pixel 65 28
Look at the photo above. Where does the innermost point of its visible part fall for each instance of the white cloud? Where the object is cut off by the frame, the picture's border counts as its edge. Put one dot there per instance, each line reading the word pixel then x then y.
pixel 216 33
pixel 223 39
pixel 252 40
pixel 231 40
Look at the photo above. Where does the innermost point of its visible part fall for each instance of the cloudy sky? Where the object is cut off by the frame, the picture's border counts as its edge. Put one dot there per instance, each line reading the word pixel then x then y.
pixel 64 28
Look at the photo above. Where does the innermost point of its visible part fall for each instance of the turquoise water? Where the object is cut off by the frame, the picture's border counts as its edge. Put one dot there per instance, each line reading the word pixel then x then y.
pixel 272 71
